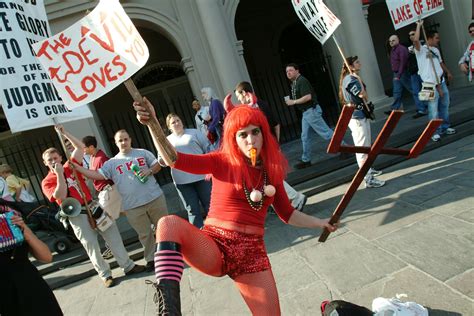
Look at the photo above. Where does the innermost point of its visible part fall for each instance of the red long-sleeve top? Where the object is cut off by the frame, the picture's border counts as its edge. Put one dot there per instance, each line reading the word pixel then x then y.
pixel 227 202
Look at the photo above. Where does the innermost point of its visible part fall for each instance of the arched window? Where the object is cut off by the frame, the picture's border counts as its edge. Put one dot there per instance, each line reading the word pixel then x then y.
pixel 157 73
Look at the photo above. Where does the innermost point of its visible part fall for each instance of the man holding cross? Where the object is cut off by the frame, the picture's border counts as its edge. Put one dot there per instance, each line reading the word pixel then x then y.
pixel 431 67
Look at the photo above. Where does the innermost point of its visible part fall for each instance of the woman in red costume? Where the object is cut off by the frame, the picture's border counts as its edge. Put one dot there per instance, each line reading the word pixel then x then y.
pixel 231 241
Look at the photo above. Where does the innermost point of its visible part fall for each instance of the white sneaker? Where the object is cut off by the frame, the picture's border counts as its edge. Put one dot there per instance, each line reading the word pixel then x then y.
pixel 300 206
pixel 374 173
pixel 374 183
pixel 435 138
pixel 450 131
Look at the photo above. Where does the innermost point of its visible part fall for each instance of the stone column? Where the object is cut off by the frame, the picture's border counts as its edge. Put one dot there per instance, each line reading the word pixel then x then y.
pixel 356 36
pixel 222 44
pixel 243 66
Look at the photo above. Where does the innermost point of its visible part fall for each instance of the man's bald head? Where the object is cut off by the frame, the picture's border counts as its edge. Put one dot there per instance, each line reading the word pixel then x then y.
pixel 393 40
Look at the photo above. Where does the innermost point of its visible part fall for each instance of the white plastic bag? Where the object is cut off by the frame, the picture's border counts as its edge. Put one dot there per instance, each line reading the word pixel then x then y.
pixel 395 307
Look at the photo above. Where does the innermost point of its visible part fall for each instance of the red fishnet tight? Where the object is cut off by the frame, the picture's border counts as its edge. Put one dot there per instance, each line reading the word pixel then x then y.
pixel 201 252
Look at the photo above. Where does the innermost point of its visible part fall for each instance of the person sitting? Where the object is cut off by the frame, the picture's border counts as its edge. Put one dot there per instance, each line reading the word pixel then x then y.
pixel 18 187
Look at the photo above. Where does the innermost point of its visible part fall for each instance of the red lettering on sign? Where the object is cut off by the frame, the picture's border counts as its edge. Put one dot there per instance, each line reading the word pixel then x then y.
pixel 116 62
pixel 86 53
pixel 402 14
pixel 105 45
pixel 432 4
pixel 63 42
pixel 73 96
pixel 418 5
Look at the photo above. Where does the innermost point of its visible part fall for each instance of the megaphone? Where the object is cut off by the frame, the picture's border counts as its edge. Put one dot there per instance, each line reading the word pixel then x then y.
pixel 70 207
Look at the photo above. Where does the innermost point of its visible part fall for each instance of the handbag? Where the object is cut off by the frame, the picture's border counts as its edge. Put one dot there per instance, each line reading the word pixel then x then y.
pixel 427 92
pixel 102 219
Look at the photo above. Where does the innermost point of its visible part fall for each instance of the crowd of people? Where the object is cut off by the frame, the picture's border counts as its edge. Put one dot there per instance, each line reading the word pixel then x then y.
pixel 227 171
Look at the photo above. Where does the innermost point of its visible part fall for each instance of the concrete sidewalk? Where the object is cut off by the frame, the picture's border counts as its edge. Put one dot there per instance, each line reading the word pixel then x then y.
pixel 414 236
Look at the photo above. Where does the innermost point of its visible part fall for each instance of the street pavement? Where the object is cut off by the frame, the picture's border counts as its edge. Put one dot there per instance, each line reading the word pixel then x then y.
pixel 413 236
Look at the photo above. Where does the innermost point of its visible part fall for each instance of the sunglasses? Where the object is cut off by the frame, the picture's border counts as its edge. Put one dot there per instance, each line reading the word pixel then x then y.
pixel 412 34
pixel 471 31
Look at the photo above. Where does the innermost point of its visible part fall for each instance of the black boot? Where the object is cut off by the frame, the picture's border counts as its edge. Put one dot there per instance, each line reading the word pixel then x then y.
pixel 167 297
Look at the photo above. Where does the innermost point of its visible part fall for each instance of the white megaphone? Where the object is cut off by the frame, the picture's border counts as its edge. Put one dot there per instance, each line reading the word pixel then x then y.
pixel 70 207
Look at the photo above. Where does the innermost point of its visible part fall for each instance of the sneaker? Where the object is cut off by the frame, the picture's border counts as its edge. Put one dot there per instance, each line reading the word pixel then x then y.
pixel 450 131
pixel 136 269
pixel 150 266
pixel 302 164
pixel 418 115
pixel 109 282
pixel 374 183
pixel 107 254
pixel 435 138
pixel 374 173
pixel 300 206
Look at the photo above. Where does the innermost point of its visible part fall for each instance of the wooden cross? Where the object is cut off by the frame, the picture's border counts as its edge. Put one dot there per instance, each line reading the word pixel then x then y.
pixel 372 152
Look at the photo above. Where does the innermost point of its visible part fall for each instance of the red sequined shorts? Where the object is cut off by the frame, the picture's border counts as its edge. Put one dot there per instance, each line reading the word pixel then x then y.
pixel 241 253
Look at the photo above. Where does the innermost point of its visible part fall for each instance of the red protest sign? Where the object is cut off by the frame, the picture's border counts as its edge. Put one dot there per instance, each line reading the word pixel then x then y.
pixel 94 55
pixel 405 12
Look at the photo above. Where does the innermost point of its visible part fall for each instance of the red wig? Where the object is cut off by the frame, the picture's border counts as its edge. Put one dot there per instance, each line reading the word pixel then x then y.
pixel 274 161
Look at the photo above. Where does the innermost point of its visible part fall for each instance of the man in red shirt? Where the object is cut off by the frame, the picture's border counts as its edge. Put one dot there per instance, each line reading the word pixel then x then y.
pixel 60 183
pixel 109 198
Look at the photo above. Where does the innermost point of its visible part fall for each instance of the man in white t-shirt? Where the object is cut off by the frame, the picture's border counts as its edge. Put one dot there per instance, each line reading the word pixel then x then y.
pixel 432 72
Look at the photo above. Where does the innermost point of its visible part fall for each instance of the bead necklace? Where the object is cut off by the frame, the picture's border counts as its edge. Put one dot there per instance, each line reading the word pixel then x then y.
pixel 256 197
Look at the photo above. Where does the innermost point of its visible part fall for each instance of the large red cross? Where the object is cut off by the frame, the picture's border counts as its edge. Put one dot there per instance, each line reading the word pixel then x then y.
pixel 372 152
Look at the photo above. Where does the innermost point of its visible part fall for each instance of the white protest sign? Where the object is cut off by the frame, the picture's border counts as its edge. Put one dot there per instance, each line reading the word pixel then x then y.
pixel 317 18
pixel 94 55
pixel 405 12
pixel 27 95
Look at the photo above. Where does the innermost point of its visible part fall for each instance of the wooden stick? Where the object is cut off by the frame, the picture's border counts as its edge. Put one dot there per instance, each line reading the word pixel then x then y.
pixel 167 151
pixel 90 219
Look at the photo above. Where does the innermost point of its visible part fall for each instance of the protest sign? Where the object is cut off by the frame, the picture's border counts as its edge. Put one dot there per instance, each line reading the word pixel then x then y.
pixel 405 12
pixel 94 55
pixel 317 18
pixel 27 95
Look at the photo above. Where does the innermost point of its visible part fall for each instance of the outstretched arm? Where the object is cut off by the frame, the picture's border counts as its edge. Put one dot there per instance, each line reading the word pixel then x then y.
pixel 146 115
pixel 300 219
pixel 91 174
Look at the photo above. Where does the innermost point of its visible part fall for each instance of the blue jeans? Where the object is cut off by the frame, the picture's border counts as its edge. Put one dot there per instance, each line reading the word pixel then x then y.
pixel 194 195
pixel 439 108
pixel 398 85
pixel 312 122
pixel 416 81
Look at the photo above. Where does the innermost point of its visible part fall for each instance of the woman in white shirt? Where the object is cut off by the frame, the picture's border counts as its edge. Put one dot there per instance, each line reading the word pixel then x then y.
pixel 194 190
